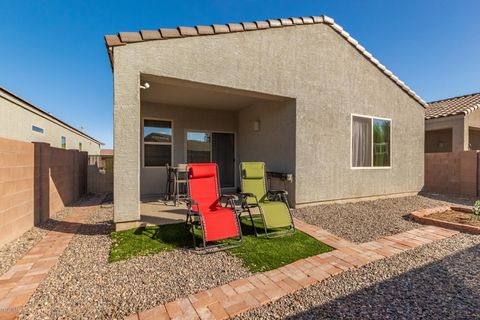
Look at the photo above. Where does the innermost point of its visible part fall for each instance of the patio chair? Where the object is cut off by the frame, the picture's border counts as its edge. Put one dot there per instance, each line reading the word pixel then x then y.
pixel 205 210
pixel 272 205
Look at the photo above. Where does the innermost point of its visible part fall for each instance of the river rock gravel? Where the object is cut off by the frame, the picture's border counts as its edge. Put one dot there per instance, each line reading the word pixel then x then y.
pixel 84 285
pixel 435 281
pixel 369 220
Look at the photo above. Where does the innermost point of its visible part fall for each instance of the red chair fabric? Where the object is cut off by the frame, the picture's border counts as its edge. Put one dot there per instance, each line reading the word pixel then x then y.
pixel 218 222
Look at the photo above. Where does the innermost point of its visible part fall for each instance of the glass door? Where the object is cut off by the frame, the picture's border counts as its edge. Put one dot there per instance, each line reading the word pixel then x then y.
pixel 199 149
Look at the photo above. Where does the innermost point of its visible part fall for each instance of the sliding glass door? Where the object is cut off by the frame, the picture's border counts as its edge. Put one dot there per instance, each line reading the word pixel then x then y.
pixel 199 149
pixel 216 147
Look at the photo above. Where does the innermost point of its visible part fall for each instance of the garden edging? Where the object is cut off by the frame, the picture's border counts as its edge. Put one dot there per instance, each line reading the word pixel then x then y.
pixel 421 216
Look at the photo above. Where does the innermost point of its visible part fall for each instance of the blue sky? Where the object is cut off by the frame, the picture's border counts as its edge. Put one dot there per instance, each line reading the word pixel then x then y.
pixel 52 52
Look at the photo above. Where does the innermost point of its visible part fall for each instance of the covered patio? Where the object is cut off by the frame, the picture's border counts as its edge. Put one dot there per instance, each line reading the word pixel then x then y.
pixel 188 122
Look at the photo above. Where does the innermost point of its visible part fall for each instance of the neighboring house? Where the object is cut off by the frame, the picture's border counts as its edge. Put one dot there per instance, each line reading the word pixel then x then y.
pixel 453 124
pixel 299 94
pixel 21 120
pixel 106 152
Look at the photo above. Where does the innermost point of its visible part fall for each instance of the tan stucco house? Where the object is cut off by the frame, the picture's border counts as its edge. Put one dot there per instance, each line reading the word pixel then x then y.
pixel 299 94
pixel 23 121
pixel 453 124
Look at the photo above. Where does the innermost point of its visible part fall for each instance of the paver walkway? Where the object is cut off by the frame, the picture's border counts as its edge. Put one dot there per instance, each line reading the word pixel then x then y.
pixel 19 283
pixel 241 295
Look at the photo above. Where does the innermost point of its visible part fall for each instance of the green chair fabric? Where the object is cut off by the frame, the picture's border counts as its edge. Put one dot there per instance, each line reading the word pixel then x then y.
pixel 275 213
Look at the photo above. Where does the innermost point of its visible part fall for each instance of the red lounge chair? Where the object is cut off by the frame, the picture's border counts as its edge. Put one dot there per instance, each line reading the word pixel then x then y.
pixel 205 209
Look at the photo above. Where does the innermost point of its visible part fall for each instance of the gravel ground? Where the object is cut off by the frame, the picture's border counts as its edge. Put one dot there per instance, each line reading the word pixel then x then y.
pixel 369 220
pixel 85 286
pixel 16 249
pixel 437 281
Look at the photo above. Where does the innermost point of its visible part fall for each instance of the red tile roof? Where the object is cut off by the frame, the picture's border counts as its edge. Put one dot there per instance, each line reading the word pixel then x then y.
pixel 453 106
pixel 106 152
pixel 124 38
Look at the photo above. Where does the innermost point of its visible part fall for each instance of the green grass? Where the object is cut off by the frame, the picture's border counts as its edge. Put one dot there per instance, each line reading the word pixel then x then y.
pixel 146 241
pixel 257 253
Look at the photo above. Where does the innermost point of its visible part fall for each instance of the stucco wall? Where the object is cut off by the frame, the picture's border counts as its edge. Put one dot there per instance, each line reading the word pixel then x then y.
pixel 457 124
pixel 438 140
pixel 152 179
pixel 274 143
pixel 17 120
pixel 312 63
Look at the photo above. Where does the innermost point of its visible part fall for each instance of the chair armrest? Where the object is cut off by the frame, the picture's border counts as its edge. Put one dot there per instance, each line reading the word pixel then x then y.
pixel 229 197
pixel 247 195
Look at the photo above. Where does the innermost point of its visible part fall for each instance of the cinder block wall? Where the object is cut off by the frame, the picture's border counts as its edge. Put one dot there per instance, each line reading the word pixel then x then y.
pixel 16 188
pixel 36 181
pixel 452 173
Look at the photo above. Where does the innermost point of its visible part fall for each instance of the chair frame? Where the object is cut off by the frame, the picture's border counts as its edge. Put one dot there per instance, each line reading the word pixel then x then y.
pixel 191 223
pixel 272 195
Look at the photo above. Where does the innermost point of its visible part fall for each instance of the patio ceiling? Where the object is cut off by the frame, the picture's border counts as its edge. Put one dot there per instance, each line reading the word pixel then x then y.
pixel 193 94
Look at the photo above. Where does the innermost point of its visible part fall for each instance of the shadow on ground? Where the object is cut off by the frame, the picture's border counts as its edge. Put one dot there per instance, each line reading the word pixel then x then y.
pixel 456 199
pixel 446 289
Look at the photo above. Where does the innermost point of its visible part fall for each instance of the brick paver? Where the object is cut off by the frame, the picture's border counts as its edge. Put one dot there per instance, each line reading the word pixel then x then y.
pixel 242 295
pixel 19 283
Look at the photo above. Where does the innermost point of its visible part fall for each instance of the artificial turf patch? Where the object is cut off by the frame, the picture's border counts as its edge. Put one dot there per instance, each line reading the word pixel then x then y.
pixel 257 253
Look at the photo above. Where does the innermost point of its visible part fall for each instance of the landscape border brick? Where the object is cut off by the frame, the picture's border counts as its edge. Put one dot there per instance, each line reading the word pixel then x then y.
pixel 421 216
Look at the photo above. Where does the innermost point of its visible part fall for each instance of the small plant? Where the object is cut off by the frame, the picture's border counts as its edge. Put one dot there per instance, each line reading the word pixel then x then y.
pixel 476 211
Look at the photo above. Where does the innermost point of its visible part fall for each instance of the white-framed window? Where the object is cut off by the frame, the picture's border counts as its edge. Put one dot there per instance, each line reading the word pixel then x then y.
pixel 157 142
pixel 371 142
pixel 63 142
pixel 80 146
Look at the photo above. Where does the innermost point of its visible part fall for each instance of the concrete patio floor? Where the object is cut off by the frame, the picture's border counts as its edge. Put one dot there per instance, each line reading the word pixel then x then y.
pixel 155 211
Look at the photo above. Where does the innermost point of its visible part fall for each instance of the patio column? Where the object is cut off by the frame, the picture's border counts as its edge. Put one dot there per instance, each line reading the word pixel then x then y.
pixel 127 146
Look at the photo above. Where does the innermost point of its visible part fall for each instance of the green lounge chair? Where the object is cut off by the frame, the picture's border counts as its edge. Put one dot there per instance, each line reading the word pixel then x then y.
pixel 272 205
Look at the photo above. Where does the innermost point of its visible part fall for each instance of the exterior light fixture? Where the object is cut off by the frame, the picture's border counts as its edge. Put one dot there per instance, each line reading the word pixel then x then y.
pixel 256 125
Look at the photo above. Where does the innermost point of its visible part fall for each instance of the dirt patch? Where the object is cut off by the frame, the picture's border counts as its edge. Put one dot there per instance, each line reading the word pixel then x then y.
pixel 455 216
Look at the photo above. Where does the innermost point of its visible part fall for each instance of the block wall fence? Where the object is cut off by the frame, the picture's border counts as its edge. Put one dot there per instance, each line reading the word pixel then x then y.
pixel 36 181
pixel 453 173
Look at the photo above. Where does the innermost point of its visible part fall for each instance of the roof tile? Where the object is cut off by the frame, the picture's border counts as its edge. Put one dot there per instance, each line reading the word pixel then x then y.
pixel 286 22
pixel 235 27
pixel 274 23
pixel 220 28
pixel 151 34
pixel 262 24
pixel 205 30
pixel 129 37
pixel 249 26
pixel 187 31
pixel 112 40
pixel 297 20
pixel 170 33
pixel 453 106
pixel 328 20
pixel 307 20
